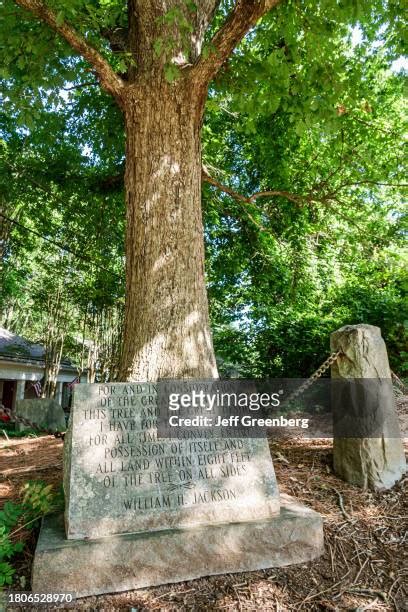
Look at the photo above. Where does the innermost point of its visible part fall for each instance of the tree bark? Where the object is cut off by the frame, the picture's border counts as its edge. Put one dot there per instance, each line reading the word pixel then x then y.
pixel 167 332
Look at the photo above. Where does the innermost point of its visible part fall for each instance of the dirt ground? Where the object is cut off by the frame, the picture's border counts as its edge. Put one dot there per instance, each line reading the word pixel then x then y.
pixel 364 567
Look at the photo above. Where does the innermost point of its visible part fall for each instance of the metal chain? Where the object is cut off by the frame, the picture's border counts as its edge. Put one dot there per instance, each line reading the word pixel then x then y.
pixel 399 383
pixel 317 374
pixel 20 419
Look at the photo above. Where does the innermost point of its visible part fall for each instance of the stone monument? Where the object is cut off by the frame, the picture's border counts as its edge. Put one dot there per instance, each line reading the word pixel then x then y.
pixel 142 511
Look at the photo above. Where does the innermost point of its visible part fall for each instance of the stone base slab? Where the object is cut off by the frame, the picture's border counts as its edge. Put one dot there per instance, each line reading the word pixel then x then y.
pixel 133 561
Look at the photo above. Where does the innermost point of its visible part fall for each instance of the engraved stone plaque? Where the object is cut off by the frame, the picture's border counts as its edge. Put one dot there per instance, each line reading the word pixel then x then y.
pixel 119 477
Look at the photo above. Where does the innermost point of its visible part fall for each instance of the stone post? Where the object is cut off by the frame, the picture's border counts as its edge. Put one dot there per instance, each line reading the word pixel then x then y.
pixel 376 461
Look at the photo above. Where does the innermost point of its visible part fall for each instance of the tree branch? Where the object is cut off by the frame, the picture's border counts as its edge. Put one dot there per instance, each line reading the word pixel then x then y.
pixel 109 80
pixel 296 199
pixel 326 200
pixel 89 84
pixel 368 182
pixel 242 18
pixel 313 196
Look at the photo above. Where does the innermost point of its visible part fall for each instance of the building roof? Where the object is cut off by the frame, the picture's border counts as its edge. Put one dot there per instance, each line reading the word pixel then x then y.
pixel 16 348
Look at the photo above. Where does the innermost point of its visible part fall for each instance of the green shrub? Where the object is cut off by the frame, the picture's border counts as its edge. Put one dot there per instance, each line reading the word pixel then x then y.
pixel 36 500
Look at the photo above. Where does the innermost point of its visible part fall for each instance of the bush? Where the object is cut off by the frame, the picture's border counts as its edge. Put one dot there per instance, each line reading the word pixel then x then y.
pixel 36 500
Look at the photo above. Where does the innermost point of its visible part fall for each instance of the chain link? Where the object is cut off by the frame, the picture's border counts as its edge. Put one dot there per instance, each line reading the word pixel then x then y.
pixel 24 421
pixel 317 374
pixel 399 383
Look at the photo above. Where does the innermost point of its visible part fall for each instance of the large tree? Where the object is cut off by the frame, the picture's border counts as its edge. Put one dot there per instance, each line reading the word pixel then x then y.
pixel 156 59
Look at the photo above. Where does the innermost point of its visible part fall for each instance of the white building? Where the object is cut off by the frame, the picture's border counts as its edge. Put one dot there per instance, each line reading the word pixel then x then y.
pixel 22 364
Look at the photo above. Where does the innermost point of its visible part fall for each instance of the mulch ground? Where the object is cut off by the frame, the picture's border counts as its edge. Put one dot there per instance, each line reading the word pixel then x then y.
pixel 364 567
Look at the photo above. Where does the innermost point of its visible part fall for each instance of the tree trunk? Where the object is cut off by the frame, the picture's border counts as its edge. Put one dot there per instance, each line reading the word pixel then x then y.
pixel 53 355
pixel 166 332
